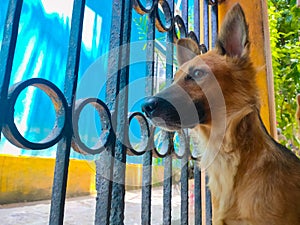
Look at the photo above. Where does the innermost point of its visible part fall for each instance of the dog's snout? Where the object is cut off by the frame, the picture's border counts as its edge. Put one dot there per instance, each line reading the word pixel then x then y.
pixel 150 105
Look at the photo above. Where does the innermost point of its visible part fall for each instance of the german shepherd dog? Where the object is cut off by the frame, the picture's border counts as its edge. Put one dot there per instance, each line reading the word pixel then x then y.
pixel 253 179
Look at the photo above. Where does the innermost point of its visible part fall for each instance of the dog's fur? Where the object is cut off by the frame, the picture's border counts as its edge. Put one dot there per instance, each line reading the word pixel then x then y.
pixel 253 179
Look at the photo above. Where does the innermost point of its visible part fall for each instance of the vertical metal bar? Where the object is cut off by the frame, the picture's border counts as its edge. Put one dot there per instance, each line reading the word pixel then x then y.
pixel 167 186
pixel 123 8
pixel 64 146
pixel 147 157
pixel 8 51
pixel 169 50
pixel 185 14
pixel 214 24
pixel 104 166
pixel 184 179
pixel 104 186
pixel 110 196
pixel 205 21
pixel 208 205
pixel 197 18
pixel 146 189
pixel 197 195
pixel 167 190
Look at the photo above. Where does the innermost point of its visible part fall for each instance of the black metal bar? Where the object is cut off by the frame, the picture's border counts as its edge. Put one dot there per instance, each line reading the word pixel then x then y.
pixel 170 50
pixel 10 35
pixel 205 23
pixel 208 206
pixel 184 180
pixel 123 8
pixel 110 196
pixel 167 186
pixel 197 18
pixel 146 189
pixel 64 146
pixel 167 190
pixel 197 195
pixel 104 186
pixel 147 157
pixel 185 14
pixel 214 24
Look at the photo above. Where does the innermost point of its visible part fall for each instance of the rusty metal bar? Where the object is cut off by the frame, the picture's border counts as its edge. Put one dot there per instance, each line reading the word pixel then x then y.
pixel 7 53
pixel 121 29
pixel 205 24
pixel 147 157
pixel 184 180
pixel 64 146
pixel 198 195
pixel 167 190
pixel 197 18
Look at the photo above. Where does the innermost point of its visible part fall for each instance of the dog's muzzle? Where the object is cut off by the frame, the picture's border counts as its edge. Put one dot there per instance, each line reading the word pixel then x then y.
pixel 161 112
pixel 173 109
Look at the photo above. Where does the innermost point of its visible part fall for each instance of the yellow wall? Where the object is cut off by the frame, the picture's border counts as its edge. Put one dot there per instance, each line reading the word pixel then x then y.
pixel 29 178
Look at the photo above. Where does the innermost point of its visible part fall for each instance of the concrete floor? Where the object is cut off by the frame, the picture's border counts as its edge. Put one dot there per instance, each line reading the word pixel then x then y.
pixel 81 210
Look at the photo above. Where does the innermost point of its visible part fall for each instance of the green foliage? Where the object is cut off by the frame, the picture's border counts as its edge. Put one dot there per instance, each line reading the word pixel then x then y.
pixel 285 45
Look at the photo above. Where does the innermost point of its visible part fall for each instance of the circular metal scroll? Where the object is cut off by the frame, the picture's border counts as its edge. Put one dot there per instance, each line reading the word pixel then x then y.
pixel 145 134
pixel 193 36
pixel 195 149
pixel 10 129
pixel 162 142
pixel 165 24
pixel 180 142
pixel 180 32
pixel 142 7
pixel 106 127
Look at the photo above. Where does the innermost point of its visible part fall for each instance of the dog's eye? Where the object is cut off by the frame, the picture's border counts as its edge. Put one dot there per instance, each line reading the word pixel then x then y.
pixel 199 73
pixel 196 75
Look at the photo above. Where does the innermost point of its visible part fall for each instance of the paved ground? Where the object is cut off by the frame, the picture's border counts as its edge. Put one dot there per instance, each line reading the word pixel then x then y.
pixel 80 211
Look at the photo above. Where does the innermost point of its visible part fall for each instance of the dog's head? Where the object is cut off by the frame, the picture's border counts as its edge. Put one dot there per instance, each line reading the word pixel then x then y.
pixel 206 84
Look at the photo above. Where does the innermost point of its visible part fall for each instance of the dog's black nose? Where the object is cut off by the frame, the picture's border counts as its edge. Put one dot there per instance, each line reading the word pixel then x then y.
pixel 150 105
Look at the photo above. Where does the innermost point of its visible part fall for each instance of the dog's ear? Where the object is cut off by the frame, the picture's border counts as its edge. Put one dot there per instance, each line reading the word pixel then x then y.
pixel 298 100
pixel 233 36
pixel 186 50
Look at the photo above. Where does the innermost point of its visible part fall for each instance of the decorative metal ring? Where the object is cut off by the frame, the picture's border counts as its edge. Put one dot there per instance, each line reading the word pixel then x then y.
pixel 194 151
pixel 168 17
pixel 195 157
pixel 165 142
pixel 180 24
pixel 193 36
pixel 105 118
pixel 203 48
pixel 180 145
pixel 10 129
pixel 213 2
pixel 145 133
pixel 141 9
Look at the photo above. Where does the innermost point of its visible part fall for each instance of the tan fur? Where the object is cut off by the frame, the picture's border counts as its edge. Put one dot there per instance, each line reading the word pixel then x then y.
pixel 253 180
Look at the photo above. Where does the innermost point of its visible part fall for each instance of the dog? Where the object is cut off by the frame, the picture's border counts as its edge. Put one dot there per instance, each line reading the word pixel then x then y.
pixel 253 179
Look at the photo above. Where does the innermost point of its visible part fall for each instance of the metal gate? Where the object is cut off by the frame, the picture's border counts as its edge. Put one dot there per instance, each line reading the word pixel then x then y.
pixel 114 142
